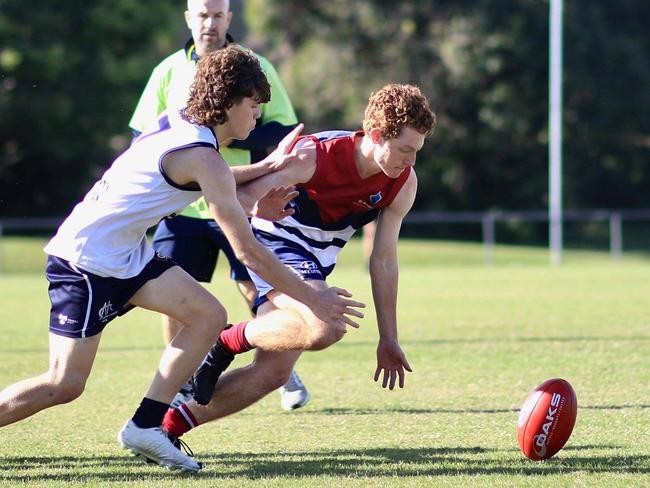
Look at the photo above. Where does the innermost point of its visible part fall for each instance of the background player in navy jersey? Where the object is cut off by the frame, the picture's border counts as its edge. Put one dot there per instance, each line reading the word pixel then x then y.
pixel 344 179
pixel 100 264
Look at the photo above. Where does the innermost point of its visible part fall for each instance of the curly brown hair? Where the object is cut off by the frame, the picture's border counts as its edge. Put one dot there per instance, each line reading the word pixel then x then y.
pixel 396 106
pixel 223 78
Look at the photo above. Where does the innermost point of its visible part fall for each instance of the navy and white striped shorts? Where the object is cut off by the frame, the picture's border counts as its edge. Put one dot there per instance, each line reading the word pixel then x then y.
pixel 299 260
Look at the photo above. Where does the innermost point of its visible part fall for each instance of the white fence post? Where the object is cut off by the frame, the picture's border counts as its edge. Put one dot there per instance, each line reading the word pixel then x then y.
pixel 487 224
pixel 616 236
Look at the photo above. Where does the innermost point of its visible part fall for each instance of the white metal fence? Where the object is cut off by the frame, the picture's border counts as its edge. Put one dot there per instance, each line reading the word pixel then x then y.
pixel 486 220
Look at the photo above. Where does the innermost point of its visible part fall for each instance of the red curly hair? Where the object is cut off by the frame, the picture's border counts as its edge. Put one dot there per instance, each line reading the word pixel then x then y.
pixel 397 106
pixel 223 78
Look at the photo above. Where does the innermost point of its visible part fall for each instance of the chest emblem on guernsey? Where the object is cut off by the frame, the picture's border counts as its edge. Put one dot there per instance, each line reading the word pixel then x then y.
pixel 375 199
pixel 371 203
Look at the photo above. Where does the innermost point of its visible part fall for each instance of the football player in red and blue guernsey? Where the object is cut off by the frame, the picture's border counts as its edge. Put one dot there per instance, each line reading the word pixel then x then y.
pixel 344 179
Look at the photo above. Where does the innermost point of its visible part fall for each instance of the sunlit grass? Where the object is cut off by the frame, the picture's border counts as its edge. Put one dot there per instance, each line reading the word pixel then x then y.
pixel 479 338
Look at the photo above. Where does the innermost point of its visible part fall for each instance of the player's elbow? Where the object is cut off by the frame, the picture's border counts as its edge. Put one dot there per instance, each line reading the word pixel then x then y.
pixel 378 263
pixel 246 200
pixel 250 255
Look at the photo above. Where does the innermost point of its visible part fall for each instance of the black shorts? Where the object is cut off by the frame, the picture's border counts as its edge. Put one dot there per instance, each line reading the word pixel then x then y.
pixel 84 303
pixel 194 244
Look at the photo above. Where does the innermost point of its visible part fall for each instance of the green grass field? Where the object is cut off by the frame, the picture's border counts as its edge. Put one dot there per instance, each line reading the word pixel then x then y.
pixel 478 337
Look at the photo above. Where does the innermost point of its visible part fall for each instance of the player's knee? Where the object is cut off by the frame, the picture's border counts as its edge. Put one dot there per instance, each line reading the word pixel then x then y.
pixel 67 390
pixel 324 336
pixel 210 321
pixel 274 372
pixel 322 342
pixel 337 334
pixel 274 379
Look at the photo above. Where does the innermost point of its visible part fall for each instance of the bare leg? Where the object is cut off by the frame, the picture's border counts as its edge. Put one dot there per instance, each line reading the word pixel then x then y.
pixel 242 387
pixel 293 394
pixel 280 334
pixel 177 294
pixel 171 327
pixel 287 325
pixel 71 361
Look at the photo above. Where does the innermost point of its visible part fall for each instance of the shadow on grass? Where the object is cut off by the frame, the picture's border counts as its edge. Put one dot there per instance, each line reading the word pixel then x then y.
pixel 507 340
pixel 362 463
pixel 417 411
pixel 373 344
pixel 103 350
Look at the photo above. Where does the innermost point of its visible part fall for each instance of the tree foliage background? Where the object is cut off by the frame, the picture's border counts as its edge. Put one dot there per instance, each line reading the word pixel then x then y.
pixel 70 75
pixel 484 66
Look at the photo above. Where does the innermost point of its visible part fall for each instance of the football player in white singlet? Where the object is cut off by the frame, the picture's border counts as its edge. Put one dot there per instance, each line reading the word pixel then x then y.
pixel 100 264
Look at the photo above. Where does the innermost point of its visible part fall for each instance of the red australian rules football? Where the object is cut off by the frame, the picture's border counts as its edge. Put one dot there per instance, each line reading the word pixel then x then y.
pixel 546 419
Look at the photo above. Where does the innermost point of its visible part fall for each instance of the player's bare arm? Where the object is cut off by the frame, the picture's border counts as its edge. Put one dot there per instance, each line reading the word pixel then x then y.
pixel 384 275
pixel 273 162
pixel 299 168
pixel 206 167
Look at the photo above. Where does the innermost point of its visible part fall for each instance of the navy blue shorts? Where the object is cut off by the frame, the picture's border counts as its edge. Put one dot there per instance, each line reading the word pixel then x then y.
pixel 195 244
pixel 84 303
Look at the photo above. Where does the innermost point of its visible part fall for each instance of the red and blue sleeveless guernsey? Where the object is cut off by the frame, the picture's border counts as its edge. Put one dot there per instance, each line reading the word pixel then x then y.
pixel 333 204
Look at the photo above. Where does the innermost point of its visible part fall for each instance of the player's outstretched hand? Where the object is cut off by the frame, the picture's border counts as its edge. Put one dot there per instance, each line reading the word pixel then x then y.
pixel 392 361
pixel 272 206
pixel 334 306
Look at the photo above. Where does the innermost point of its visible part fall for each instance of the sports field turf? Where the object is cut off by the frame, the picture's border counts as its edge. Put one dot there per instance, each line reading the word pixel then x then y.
pixel 478 337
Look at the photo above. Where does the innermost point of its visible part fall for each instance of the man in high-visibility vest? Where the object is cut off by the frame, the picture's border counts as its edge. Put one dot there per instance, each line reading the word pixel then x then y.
pixel 193 239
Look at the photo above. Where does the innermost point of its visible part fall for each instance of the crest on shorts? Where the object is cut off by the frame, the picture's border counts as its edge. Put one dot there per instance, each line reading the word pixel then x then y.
pixel 64 319
pixel 106 312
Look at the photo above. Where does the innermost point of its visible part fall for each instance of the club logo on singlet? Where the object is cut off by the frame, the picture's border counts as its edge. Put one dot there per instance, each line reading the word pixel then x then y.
pixel 375 199
pixel 372 202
